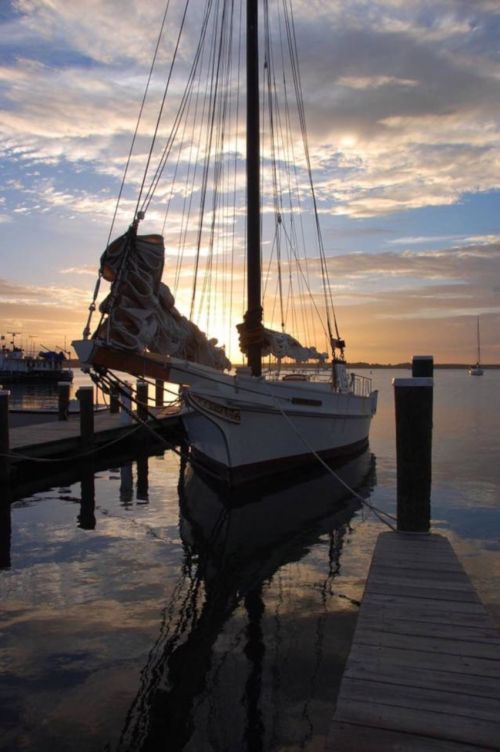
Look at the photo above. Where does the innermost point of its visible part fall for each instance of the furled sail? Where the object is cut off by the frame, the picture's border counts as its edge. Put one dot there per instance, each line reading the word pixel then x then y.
pixel 140 309
pixel 283 345
pixel 279 344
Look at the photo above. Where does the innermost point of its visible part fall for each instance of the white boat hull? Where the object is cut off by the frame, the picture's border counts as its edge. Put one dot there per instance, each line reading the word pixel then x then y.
pixel 240 437
pixel 240 427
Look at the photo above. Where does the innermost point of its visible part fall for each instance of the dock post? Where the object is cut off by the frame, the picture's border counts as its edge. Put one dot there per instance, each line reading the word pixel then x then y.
pixel 86 517
pixel 85 396
pixel 5 533
pixel 63 389
pixel 142 479
pixel 422 366
pixel 142 399
pixel 4 436
pixel 125 415
pixel 413 400
pixel 114 401
pixel 159 384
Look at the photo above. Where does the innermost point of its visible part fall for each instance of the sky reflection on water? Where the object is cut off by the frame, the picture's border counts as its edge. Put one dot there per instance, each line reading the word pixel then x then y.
pixel 123 600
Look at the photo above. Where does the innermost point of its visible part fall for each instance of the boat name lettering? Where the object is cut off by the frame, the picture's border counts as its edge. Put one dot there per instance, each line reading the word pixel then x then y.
pixel 220 411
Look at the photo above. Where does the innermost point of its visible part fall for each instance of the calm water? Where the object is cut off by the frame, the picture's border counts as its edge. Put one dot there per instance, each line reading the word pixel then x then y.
pixel 140 614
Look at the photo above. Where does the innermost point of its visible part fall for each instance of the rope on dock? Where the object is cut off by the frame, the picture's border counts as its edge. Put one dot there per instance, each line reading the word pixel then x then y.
pixel 72 457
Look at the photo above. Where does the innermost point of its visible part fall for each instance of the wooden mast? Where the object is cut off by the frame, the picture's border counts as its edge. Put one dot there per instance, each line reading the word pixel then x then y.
pixel 254 313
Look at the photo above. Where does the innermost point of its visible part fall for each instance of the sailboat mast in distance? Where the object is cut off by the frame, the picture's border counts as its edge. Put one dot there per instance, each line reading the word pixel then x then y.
pixel 476 370
pixel 254 312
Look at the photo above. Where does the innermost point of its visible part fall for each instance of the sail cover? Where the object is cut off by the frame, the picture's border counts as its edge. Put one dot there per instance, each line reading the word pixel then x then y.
pixel 140 309
pixel 283 345
pixel 279 344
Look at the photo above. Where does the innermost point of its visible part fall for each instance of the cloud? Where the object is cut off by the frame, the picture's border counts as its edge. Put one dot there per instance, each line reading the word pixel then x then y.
pixel 402 100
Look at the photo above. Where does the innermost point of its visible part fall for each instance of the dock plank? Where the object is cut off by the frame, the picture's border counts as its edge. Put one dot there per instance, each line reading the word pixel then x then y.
pixel 351 737
pixel 424 668
pixel 476 686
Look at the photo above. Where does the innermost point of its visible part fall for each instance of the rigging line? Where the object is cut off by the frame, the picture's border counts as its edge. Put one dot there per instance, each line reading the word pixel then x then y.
pixel 220 266
pixel 139 118
pixel 160 113
pixel 210 279
pixel 306 282
pixel 236 144
pixel 109 381
pixel 173 180
pixel 292 43
pixel 267 275
pixel 190 184
pixel 175 127
pixel 268 65
pixel 289 148
pixel 212 99
pixel 378 512
pixel 92 306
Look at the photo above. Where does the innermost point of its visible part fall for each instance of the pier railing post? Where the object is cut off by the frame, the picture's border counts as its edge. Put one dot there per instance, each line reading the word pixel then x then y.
pixel 413 401
pixel 63 389
pixel 4 436
pixel 159 384
pixel 142 399
pixel 85 396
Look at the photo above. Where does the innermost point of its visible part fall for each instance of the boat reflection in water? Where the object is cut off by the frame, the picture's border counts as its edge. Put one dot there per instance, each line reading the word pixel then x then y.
pixel 234 544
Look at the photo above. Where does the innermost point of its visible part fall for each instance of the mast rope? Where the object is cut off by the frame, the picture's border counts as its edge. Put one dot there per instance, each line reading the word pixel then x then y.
pixel 92 306
pixel 159 118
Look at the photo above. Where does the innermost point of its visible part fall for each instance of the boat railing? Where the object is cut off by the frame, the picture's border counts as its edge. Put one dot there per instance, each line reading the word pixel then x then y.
pixel 361 385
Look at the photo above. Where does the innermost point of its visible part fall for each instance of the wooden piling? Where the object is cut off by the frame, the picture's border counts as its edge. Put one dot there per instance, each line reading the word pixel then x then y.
pixel 142 399
pixel 413 401
pixel 86 517
pixel 85 396
pixel 159 386
pixel 142 479
pixel 422 366
pixel 114 400
pixel 63 390
pixel 4 436
pixel 126 402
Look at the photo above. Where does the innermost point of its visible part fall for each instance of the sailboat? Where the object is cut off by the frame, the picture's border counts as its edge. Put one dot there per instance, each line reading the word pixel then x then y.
pixel 476 369
pixel 242 423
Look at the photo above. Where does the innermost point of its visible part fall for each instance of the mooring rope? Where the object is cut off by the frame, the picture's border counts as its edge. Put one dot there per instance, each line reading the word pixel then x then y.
pixel 379 513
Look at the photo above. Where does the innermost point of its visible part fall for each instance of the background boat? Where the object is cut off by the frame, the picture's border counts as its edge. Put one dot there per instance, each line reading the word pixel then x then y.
pixel 476 369
pixel 18 368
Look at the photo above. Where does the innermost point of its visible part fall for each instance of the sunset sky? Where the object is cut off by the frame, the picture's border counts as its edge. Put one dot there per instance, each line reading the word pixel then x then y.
pixel 402 100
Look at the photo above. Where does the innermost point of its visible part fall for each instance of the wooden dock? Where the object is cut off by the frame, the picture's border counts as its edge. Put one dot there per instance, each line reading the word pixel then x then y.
pixel 57 439
pixel 424 668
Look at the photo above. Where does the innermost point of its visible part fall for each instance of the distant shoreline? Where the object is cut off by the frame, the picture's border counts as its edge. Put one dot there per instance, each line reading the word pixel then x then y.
pixel 75 363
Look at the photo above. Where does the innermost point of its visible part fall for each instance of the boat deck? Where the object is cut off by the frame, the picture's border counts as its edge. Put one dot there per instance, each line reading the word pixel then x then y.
pixel 424 668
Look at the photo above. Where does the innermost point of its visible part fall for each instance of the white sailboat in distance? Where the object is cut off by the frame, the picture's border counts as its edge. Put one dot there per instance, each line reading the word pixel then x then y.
pixel 476 369
pixel 240 424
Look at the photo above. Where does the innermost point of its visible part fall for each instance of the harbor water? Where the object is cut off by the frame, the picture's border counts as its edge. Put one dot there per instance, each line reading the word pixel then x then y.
pixel 144 609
